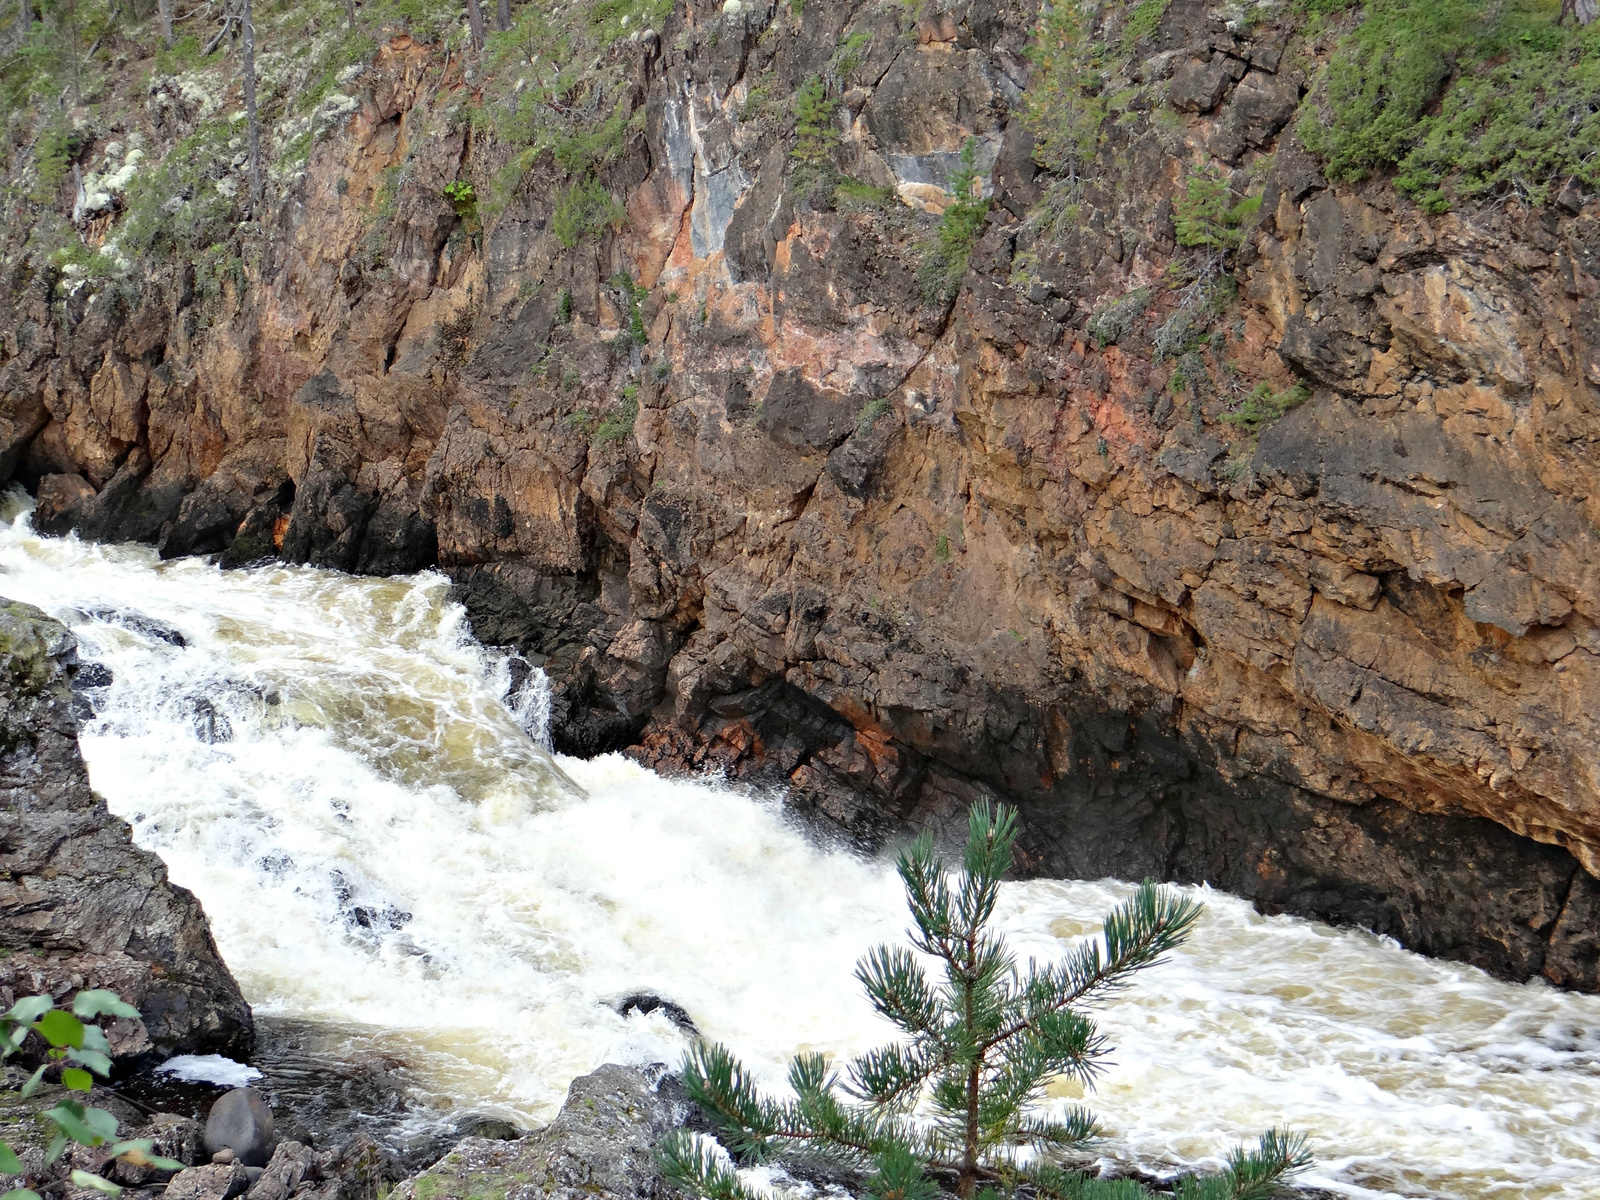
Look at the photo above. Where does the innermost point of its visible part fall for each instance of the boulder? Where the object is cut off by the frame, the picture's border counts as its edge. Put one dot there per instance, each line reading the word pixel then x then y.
pixel 240 1121
pixel 292 1164
pixel 217 1181
pixel 601 1146
pixel 80 904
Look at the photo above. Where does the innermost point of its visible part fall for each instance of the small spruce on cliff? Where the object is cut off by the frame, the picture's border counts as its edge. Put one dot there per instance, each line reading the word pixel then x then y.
pixel 956 1104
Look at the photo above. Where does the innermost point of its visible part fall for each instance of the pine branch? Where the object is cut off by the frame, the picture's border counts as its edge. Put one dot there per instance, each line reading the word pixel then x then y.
pixel 1072 1133
pixel 687 1162
pixel 1278 1156
pixel 893 1076
pixel 928 897
pixel 716 1081
pixel 1137 934
pixel 1052 1183
pixel 898 989
pixel 988 857
pixel 900 1176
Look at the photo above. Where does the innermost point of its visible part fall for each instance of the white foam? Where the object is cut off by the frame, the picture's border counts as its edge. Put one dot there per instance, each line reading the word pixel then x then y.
pixel 381 844
pixel 209 1068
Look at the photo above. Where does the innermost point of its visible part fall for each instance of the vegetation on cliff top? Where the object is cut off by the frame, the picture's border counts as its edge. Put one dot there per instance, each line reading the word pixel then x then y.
pixel 957 1104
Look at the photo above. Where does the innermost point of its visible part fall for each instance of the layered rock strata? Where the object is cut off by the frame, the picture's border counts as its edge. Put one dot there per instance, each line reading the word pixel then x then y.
pixel 771 509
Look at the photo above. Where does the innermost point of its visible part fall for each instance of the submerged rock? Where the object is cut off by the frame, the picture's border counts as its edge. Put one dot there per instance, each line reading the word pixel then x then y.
pixel 645 1003
pixel 80 904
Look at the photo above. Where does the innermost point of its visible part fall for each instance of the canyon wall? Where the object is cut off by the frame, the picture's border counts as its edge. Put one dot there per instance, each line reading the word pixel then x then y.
pixel 760 499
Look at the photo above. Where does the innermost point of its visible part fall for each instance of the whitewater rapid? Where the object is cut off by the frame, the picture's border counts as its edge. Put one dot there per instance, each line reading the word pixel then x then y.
pixel 336 769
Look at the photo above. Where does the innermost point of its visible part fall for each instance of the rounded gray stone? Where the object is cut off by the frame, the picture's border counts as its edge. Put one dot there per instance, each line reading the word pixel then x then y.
pixel 241 1121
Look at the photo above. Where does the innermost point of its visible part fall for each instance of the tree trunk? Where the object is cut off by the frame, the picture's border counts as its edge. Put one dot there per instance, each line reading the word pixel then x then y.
pixel 72 22
pixel 475 23
pixel 1586 11
pixel 248 41
pixel 350 12
pixel 502 15
pixel 24 18
pixel 164 8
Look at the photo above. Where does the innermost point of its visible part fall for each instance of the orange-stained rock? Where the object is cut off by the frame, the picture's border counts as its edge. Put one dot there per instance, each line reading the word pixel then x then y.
pixel 795 514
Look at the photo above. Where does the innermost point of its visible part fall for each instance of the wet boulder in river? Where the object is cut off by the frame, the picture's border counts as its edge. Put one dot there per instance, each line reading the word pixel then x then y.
pixel 241 1121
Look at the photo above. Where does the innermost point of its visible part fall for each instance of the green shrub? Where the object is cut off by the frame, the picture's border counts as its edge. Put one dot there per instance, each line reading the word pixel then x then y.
pixel 871 411
pixel 633 295
pixel 945 257
pixel 1461 98
pixel 175 207
pixel 617 425
pixel 1143 22
pixel 815 134
pixel 956 1099
pixel 332 57
pixel 1203 216
pixel 463 198
pixel 57 146
pixel 1065 105
pixel 585 209
pixel 1263 406
pixel 853 191
pixel 852 52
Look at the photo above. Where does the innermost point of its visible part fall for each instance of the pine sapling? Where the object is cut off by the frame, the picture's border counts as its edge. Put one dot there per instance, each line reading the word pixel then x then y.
pixel 956 1104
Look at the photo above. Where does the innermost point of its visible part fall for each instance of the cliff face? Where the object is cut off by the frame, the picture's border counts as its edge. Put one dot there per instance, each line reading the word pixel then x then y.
pixel 760 497
pixel 80 905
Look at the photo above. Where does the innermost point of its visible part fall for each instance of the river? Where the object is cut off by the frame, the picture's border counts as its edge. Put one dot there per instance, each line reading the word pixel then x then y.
pixel 385 849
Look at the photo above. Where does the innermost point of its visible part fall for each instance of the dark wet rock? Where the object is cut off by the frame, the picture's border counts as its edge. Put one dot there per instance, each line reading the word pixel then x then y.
pixel 365 913
pixel 80 904
pixel 211 724
pixel 92 675
pixel 88 690
pixel 137 622
pixel 488 1127
pixel 241 1121
pixel 646 1002
pixel 291 1165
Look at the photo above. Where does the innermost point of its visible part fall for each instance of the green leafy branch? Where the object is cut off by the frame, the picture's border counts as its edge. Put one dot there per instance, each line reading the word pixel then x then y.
pixel 80 1050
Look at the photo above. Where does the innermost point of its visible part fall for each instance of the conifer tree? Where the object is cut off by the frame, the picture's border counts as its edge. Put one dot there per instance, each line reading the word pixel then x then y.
pixel 252 118
pixel 956 1104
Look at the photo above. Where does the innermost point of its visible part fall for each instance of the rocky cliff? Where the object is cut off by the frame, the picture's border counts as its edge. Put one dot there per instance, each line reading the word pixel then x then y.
pixel 80 905
pixel 722 417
